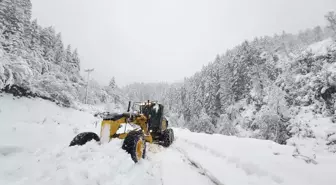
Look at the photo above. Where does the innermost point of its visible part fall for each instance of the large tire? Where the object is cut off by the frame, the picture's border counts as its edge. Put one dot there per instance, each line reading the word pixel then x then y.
pixel 83 138
pixel 168 137
pixel 135 145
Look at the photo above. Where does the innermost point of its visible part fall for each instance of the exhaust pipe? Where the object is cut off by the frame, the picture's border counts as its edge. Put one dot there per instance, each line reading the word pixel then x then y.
pixel 129 106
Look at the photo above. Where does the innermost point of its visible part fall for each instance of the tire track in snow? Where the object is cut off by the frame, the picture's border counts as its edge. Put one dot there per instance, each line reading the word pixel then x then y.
pixel 248 168
pixel 199 168
pixel 156 165
pixel 172 166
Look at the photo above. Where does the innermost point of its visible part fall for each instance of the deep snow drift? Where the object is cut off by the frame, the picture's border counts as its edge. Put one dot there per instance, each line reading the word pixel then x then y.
pixel 35 134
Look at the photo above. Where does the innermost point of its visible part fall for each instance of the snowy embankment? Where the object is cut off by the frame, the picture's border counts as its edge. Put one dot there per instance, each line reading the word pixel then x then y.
pixel 35 134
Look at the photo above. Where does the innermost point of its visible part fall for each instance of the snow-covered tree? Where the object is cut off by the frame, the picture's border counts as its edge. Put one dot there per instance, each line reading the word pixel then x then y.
pixel 112 83
pixel 59 49
pixel 331 18
pixel 76 61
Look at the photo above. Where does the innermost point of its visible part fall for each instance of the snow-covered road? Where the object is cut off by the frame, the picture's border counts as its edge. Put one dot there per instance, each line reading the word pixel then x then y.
pixel 35 134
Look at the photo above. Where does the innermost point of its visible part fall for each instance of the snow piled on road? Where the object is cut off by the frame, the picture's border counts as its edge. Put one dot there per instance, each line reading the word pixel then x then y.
pixel 35 134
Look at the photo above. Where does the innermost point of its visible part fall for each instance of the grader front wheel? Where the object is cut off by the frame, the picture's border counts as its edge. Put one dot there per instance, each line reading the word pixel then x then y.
pixel 135 145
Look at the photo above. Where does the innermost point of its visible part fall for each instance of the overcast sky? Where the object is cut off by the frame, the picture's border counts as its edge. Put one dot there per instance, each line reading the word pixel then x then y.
pixel 157 40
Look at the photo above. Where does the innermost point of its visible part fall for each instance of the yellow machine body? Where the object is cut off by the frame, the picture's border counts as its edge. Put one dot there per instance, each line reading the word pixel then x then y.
pixel 149 116
pixel 114 125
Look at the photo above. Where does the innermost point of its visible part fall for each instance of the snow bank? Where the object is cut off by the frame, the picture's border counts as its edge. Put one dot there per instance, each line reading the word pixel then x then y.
pixel 25 110
pixel 34 139
pixel 40 121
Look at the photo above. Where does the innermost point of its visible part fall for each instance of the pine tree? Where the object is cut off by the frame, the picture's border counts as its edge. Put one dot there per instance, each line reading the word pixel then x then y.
pixel 35 38
pixel 331 18
pixel 318 34
pixel 226 82
pixel 59 49
pixel 48 40
pixel 68 54
pixel 215 90
pixel 76 61
pixel 112 83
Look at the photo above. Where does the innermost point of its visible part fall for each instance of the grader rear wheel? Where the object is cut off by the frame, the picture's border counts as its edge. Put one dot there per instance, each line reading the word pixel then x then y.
pixel 168 137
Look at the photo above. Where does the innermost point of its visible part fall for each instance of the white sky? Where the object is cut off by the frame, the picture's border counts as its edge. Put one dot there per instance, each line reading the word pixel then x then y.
pixel 156 40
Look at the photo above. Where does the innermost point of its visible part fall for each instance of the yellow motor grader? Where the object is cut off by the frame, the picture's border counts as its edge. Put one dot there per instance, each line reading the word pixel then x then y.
pixel 146 123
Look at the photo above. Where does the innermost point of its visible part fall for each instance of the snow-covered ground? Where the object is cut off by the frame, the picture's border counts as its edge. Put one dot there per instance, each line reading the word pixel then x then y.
pixel 35 134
